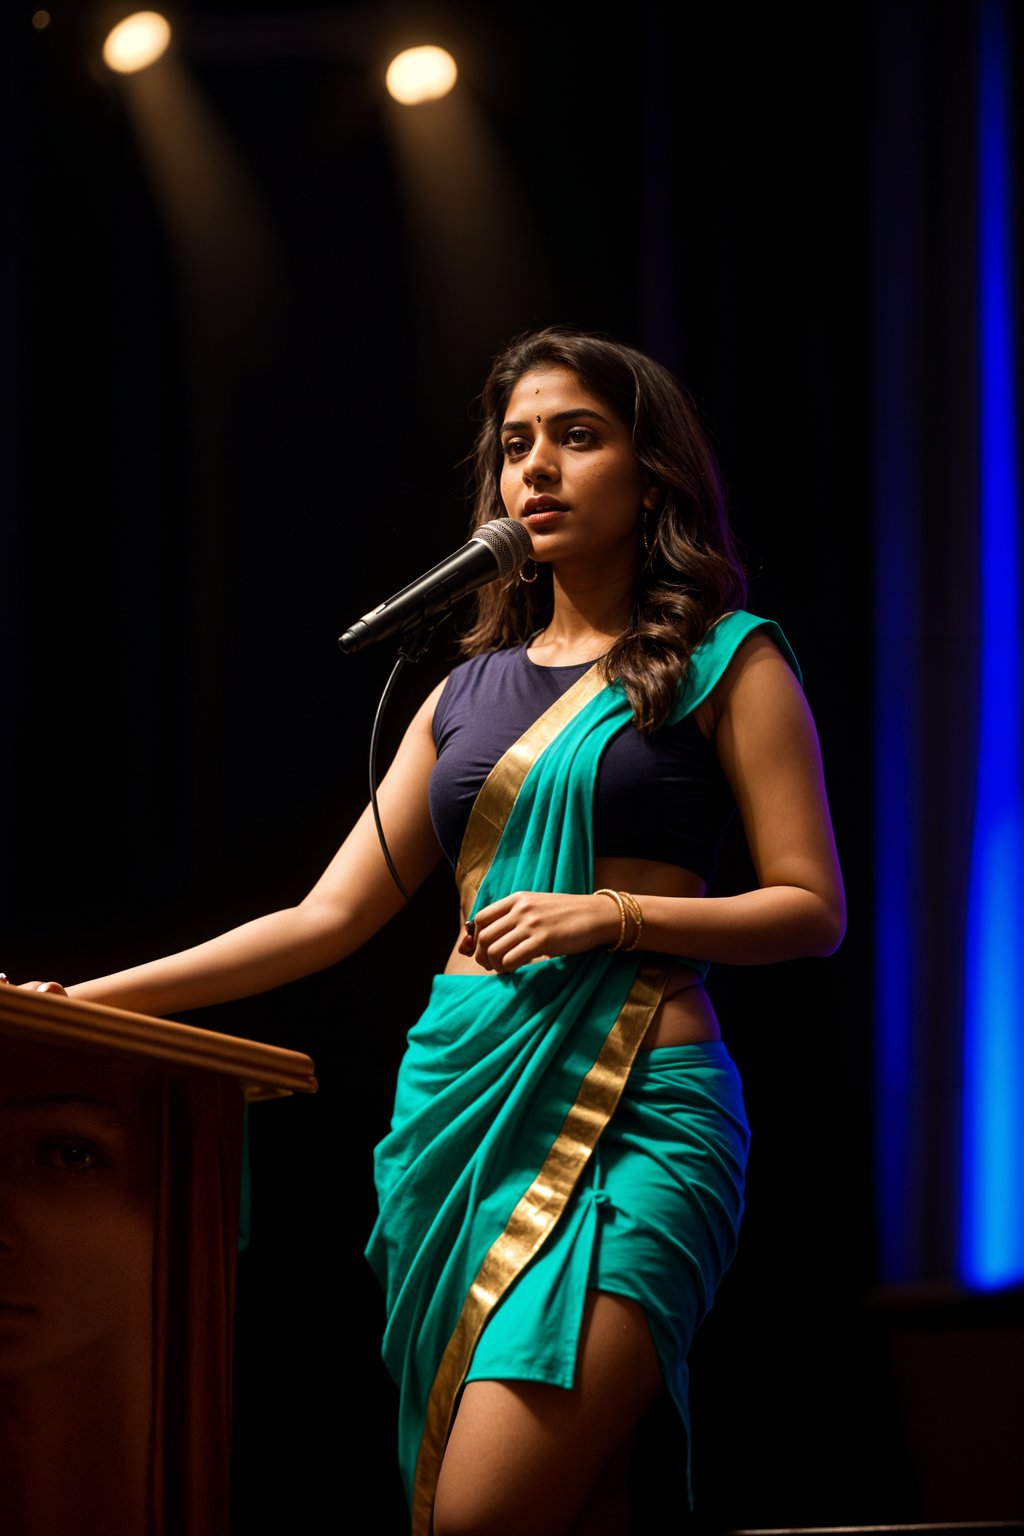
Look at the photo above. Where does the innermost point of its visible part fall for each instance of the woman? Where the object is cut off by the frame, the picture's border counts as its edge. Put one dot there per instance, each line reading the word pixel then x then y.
pixel 562 1185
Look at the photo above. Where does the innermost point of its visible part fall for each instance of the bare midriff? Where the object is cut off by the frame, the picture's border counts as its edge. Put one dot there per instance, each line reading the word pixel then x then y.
pixel 685 1015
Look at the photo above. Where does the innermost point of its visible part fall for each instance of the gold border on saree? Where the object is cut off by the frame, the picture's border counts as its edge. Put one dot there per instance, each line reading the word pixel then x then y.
pixel 497 794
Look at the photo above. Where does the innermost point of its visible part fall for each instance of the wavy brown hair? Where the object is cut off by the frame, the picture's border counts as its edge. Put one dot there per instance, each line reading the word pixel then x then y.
pixel 692 573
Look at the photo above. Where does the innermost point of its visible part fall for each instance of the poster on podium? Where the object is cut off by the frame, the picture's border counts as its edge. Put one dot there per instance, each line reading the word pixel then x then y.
pixel 122 1207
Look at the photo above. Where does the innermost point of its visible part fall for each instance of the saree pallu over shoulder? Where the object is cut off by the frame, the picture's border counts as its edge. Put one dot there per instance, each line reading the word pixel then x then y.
pixel 543 787
pixel 508 1080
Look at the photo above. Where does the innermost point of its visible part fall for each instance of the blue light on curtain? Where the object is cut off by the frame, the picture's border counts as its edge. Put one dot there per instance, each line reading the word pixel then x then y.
pixel 992 1166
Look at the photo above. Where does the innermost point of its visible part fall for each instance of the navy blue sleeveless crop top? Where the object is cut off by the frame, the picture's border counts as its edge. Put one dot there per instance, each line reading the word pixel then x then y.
pixel 662 797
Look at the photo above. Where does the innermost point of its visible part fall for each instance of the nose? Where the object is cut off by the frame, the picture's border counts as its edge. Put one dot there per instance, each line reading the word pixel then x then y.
pixel 540 465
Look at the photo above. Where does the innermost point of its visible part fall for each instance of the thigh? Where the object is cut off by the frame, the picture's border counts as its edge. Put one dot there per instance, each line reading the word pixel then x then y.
pixel 524 1456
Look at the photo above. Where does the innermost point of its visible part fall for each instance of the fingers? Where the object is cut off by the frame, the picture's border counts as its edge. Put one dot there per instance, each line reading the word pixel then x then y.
pixel 478 935
pixel 33 986
pixel 502 936
pixel 536 925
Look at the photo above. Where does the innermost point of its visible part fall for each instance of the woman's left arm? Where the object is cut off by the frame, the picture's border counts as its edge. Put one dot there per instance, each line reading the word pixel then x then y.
pixel 767 743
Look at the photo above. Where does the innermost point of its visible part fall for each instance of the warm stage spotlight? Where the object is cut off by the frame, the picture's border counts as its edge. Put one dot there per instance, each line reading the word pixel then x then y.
pixel 136 42
pixel 420 74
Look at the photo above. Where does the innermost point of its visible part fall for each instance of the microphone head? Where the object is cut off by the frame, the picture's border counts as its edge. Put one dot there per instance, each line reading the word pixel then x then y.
pixel 508 541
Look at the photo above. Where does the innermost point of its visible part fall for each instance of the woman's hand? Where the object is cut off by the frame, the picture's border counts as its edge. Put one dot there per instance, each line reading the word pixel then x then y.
pixel 34 986
pixel 535 925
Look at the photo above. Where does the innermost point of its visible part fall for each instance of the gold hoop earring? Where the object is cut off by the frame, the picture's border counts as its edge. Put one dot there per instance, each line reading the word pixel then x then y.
pixel 528 581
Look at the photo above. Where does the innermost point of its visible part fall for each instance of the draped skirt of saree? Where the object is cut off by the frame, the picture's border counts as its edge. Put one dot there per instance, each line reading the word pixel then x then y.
pixel 519 1171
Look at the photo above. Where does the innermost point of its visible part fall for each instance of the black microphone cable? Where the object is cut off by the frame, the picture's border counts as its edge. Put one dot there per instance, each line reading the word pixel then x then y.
pixel 420 642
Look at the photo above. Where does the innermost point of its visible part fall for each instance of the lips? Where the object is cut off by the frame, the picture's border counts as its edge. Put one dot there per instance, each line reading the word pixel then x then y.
pixel 541 512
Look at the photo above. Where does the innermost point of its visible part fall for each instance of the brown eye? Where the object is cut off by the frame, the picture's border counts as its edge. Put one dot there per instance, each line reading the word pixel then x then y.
pixel 70 1155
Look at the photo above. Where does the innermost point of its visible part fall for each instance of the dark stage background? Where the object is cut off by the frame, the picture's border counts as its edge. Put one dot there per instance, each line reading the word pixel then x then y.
pixel 247 305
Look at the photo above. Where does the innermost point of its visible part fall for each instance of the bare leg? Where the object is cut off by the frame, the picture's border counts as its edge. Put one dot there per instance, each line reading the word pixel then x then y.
pixel 524 1457
pixel 607 1509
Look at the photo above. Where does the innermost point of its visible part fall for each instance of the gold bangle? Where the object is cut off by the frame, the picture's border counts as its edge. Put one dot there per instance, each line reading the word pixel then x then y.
pixel 615 896
pixel 637 915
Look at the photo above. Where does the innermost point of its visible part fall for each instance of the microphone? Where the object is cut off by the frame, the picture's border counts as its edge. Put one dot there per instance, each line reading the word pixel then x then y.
pixel 497 548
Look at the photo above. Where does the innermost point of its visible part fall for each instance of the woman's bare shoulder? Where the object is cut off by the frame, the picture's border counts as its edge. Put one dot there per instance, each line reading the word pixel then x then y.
pixel 758 672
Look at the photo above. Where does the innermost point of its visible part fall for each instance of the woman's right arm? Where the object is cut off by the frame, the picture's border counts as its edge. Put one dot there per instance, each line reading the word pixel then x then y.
pixel 354 898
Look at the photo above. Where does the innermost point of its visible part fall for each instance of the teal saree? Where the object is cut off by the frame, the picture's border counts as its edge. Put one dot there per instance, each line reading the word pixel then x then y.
pixel 509 1081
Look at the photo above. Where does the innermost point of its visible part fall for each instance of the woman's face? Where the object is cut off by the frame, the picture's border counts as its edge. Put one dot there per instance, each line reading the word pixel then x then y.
pixel 569 473
pixel 79 1159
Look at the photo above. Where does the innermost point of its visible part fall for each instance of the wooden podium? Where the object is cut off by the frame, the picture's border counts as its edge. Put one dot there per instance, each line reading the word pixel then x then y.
pixel 121 1153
